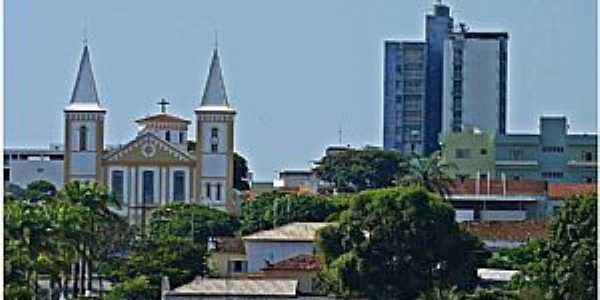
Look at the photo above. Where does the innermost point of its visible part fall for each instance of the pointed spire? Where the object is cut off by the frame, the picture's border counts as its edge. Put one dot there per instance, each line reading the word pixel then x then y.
pixel 85 86
pixel 214 91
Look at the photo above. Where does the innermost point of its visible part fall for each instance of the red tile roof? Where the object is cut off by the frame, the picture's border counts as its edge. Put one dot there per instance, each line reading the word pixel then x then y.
pixel 509 231
pixel 163 118
pixel 560 191
pixel 513 187
pixel 296 263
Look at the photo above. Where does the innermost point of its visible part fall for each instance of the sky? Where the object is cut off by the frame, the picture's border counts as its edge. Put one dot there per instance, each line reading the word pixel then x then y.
pixel 295 71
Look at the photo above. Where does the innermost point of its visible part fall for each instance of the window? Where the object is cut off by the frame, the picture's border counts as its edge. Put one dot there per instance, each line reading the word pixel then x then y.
pixel 483 151
pixel 147 187
pixel 6 174
pixel 168 136
pixel 552 175
pixel 208 190
pixel 178 186
pixel 516 154
pixel 463 153
pixel 117 185
pixel 517 178
pixel 589 180
pixel 218 192
pixel 214 139
pixel 588 156
pixel 82 138
pixel 181 137
pixel 237 266
pixel 552 149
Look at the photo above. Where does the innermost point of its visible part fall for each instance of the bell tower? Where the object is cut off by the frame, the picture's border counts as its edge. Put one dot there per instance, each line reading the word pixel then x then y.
pixel 84 127
pixel 214 147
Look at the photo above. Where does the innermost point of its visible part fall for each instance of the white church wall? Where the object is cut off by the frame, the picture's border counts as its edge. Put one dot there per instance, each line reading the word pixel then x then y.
pixel 214 165
pixel 83 163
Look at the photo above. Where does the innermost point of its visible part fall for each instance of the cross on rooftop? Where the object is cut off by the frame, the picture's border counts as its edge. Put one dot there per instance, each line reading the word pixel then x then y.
pixel 163 105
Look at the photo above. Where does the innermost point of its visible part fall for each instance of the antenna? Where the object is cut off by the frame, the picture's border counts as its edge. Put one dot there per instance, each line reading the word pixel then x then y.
pixel 340 134
pixel 85 35
pixel 216 39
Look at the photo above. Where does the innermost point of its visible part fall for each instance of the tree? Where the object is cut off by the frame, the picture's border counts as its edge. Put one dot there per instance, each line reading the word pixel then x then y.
pixel 394 243
pixel 39 190
pixel 565 266
pixel 430 173
pixel 240 173
pixel 139 275
pixel 194 221
pixel 278 208
pixel 358 170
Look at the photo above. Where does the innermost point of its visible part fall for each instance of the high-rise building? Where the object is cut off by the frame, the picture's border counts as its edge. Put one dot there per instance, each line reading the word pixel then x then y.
pixel 475 75
pixel 414 88
pixel 437 28
pixel 404 96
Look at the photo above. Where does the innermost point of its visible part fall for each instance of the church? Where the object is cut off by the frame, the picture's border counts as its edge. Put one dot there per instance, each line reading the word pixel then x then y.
pixel 158 166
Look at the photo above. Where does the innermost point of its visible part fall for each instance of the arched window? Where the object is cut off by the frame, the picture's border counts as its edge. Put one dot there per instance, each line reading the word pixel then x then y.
pixel 168 136
pixel 218 192
pixel 214 139
pixel 82 138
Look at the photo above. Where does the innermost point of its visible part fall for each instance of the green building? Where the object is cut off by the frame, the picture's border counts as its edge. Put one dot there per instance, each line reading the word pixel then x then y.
pixel 471 151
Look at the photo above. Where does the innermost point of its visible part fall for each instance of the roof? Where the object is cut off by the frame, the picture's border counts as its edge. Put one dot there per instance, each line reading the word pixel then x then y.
pixel 508 231
pixel 297 263
pixel 214 91
pixel 162 118
pixel 84 96
pixel 293 232
pixel 238 287
pixel 560 191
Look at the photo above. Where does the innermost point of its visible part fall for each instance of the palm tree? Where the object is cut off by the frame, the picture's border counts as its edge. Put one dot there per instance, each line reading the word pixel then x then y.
pixel 430 173
pixel 97 203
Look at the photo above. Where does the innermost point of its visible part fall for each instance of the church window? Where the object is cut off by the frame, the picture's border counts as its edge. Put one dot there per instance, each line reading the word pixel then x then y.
pixel 148 187
pixel 214 140
pixel 117 185
pixel 82 138
pixel 218 192
pixel 208 190
pixel 168 136
pixel 178 186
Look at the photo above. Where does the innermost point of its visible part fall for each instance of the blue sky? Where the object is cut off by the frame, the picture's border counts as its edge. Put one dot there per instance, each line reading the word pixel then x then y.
pixel 296 71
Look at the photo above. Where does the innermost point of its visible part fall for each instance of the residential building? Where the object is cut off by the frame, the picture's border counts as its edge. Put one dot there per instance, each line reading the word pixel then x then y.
pixel 268 247
pixel 471 151
pixel 304 268
pixel 499 235
pixel 553 155
pixel 404 96
pixel 297 180
pixel 475 81
pixel 228 258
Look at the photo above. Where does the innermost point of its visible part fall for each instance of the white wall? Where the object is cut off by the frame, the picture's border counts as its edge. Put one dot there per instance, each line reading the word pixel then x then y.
pixel 25 171
pixel 503 215
pixel 83 163
pixel 257 252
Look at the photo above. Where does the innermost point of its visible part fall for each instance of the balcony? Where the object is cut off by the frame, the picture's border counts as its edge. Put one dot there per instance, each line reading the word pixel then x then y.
pixel 517 163
pixel 582 164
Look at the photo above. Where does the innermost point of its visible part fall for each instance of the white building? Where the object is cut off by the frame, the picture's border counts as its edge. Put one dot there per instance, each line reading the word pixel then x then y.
pixel 271 246
pixel 22 166
pixel 475 81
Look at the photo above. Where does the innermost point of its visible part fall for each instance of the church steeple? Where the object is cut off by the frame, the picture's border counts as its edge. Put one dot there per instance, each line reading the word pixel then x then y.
pixel 85 95
pixel 214 91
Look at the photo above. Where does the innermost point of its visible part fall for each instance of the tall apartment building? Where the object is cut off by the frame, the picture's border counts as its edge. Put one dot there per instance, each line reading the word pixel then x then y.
pixel 404 94
pixel 475 76
pixel 415 83
pixel 413 87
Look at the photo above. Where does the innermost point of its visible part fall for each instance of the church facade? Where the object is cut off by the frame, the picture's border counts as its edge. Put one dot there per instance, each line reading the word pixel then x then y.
pixel 159 165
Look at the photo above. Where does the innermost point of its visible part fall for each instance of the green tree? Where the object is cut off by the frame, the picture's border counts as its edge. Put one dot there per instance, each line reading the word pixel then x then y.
pixel 195 221
pixel 39 190
pixel 358 170
pixel 139 275
pixel 240 173
pixel 430 173
pixel 394 243
pixel 277 208
pixel 565 266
